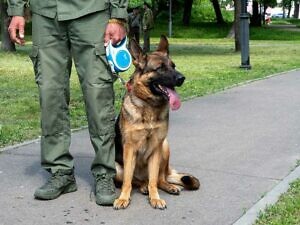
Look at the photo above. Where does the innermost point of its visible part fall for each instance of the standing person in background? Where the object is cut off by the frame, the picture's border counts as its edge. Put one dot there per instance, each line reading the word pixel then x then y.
pixel 148 24
pixel 134 21
pixel 62 31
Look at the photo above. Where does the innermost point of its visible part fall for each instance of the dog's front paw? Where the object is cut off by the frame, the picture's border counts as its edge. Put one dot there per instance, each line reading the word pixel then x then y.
pixel 121 203
pixel 158 203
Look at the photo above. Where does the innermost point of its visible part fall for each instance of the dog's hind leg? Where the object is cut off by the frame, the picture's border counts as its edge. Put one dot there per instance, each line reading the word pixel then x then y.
pixel 185 180
pixel 119 175
pixel 170 188
pixel 143 188
pixel 171 179
pixel 164 171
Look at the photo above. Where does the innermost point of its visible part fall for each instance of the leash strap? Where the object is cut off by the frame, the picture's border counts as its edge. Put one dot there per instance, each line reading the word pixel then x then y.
pixel 126 85
pixel 123 82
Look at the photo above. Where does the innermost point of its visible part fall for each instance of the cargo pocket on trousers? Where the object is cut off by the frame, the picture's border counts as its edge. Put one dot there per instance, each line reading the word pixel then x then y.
pixel 101 54
pixel 34 56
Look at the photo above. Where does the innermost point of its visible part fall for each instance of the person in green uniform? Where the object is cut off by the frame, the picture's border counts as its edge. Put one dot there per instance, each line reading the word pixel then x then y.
pixel 62 32
pixel 134 22
pixel 148 25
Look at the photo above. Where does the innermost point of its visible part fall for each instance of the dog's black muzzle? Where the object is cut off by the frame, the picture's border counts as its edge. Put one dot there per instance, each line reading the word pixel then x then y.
pixel 179 79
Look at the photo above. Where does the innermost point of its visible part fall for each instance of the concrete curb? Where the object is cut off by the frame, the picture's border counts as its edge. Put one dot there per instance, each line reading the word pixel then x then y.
pixel 19 145
pixel 34 141
pixel 270 198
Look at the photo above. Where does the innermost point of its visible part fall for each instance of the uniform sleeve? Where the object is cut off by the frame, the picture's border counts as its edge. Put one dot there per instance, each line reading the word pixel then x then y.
pixel 15 7
pixel 146 20
pixel 119 9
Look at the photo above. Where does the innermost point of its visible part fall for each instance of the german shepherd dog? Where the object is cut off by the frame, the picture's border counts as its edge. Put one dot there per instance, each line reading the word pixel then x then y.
pixel 142 149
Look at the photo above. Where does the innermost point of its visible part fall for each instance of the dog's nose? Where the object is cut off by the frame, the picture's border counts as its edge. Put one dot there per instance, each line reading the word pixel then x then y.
pixel 179 79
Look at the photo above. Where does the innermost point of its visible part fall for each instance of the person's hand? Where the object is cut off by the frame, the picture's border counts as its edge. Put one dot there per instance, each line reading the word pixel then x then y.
pixel 16 29
pixel 115 32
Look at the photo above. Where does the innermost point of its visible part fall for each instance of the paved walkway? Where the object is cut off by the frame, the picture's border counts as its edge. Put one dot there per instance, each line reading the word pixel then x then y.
pixel 241 143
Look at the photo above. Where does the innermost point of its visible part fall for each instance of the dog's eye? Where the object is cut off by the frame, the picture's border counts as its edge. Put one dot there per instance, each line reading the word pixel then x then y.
pixel 159 67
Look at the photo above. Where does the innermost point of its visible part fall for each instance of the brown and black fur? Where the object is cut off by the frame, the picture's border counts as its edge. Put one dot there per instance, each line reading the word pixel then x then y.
pixel 142 149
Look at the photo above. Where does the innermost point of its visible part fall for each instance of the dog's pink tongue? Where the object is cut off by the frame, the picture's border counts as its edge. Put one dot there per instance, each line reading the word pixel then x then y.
pixel 174 99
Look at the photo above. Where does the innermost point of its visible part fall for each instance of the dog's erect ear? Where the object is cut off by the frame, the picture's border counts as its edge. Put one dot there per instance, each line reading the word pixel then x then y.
pixel 137 54
pixel 163 45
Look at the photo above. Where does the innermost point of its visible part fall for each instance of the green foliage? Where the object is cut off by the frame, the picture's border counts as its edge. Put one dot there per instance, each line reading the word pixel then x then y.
pixel 228 16
pixel 139 3
pixel 286 3
pixel 286 211
pixel 271 3
pixel 203 11
pixel 135 3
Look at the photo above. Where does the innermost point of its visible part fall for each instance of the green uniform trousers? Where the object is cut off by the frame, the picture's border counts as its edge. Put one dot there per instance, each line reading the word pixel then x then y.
pixel 55 44
pixel 146 46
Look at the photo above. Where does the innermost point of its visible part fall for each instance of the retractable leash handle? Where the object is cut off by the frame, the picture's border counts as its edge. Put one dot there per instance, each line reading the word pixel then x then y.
pixel 118 56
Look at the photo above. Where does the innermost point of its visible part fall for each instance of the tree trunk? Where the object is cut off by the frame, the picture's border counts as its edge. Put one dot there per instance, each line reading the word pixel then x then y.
pixel 296 10
pixel 6 43
pixel 289 11
pixel 187 11
pixel 264 14
pixel 256 17
pixel 218 12
pixel 237 12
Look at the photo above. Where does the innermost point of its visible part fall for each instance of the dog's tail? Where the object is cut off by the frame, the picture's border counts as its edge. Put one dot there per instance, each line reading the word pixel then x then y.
pixel 185 180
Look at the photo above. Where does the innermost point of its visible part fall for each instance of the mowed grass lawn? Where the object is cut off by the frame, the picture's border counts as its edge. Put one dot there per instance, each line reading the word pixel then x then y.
pixel 286 211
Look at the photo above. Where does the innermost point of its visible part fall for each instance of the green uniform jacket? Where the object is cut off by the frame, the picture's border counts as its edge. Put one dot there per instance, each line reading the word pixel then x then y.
pixel 69 9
